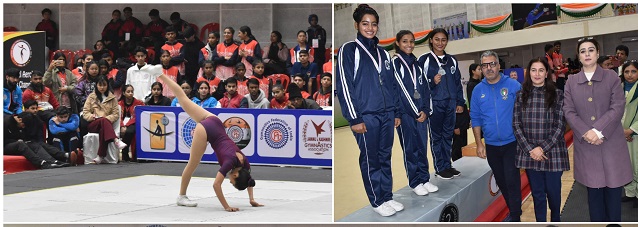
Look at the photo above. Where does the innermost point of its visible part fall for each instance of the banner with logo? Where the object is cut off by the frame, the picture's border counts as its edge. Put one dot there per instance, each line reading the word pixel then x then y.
pixel 455 25
pixel 533 15
pixel 26 52
pixel 265 136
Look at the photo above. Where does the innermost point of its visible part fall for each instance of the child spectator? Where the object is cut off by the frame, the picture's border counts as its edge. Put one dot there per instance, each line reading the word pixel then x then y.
pixel 61 81
pixel 64 130
pixel 179 24
pixel 308 69
pixel 104 68
pixel 99 112
pixel 157 98
pixel 99 50
pixel 203 97
pixel 209 51
pixel 79 70
pixel 460 133
pixel 34 135
pixel 142 75
pixel 86 83
pixel 175 48
pixel 302 44
pixel 264 82
pixel 186 87
pixel 169 70
pixel 132 29
pixel 231 98
pixel 298 79
pixel 42 95
pixel 50 28
pixel 15 142
pixel 209 76
pixel 249 49
pixel 240 72
pixel 323 96
pixel 127 122
pixel 298 102
pixel 227 55
pixel 280 98
pixel 256 99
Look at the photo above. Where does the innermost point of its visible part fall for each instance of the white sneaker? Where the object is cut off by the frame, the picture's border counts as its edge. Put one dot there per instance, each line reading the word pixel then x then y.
pixel 430 187
pixel 183 200
pixel 420 190
pixel 384 210
pixel 395 205
pixel 120 145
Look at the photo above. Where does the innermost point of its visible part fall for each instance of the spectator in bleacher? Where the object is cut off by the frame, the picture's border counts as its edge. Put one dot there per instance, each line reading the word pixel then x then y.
pixel 186 87
pixel 256 99
pixel 316 34
pixel 132 28
pixel 86 84
pixel 209 51
pixel 127 121
pixel 142 75
pixel 80 70
pixel 169 70
pixel 249 49
pixel 209 77
pixel 204 98
pixel 99 49
pixel 156 98
pixel 264 82
pixel 308 69
pixel 174 47
pixel 191 54
pixel 156 31
pixel 42 95
pixel 231 98
pixel 323 96
pixel 104 68
pixel 227 55
pixel 277 61
pixel 34 132
pixel 280 98
pixel 120 69
pixel 12 100
pixel 560 69
pixel 298 79
pixel 64 128
pixel 99 113
pixel 327 67
pixel 622 52
pixel 61 81
pixel 110 33
pixel 299 102
pixel 50 28
pixel 302 44
pixel 15 142
pixel 242 87
pixel 179 24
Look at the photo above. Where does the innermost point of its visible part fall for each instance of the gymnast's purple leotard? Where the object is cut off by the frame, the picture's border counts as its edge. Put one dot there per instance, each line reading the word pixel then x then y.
pixel 224 147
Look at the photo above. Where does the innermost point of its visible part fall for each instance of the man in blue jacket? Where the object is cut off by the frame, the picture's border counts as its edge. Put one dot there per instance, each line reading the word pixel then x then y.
pixel 492 108
pixel 12 100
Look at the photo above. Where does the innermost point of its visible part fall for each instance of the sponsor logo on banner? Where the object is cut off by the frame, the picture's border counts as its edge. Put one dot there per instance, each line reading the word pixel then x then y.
pixel 276 135
pixel 316 137
pixel 239 128
pixel 158 131
pixel 186 129
pixel 21 53
pixel 450 213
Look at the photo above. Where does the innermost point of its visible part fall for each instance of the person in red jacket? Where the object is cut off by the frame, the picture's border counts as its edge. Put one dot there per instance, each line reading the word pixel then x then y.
pixel 175 48
pixel 231 98
pixel 324 95
pixel 110 33
pixel 132 29
pixel 156 31
pixel 280 98
pixel 127 121
pixel 50 27
pixel 47 102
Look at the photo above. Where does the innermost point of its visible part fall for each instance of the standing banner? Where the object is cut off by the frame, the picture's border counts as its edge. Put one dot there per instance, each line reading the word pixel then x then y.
pixel 533 15
pixel 26 52
pixel 271 137
pixel 455 25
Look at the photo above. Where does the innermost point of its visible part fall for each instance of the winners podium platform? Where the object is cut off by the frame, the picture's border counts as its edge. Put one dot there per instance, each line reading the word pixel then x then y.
pixel 462 199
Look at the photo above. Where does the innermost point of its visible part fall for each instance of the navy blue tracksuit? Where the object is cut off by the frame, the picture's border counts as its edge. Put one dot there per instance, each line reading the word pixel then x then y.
pixel 367 96
pixel 446 96
pixel 413 135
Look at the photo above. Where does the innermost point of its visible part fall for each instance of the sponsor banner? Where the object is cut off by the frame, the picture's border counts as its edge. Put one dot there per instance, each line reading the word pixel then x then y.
pixel 26 52
pixel 276 137
pixel 533 15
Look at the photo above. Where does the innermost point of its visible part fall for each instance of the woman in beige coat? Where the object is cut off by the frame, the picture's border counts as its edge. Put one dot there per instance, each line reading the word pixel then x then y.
pixel 101 110
pixel 61 81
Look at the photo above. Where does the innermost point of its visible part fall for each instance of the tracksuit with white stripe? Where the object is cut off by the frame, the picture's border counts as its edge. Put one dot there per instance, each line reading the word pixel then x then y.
pixel 367 96
pixel 413 135
pixel 446 96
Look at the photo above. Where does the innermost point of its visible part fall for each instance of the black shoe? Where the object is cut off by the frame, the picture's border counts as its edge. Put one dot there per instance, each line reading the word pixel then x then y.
pixel 454 172
pixel 46 165
pixel 445 174
pixel 61 164
pixel 625 199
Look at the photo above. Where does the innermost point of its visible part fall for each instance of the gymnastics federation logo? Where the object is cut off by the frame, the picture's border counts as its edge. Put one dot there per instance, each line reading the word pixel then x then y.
pixel 450 213
pixel 21 53
pixel 238 130
pixel 318 137
pixel 276 133
pixel 158 122
pixel 188 128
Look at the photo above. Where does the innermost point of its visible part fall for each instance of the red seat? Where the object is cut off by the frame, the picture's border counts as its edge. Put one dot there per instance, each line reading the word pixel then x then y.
pixel 15 163
pixel 151 54
pixel 10 29
pixel 283 79
pixel 80 53
pixel 208 28
pixel 70 57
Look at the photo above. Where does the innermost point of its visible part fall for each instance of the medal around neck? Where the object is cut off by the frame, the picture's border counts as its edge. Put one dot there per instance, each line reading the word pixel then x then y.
pixel 417 95
pixel 442 71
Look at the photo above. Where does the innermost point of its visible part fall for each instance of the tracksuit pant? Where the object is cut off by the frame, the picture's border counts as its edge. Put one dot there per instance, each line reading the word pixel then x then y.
pixel 442 124
pixel 375 148
pixel 413 137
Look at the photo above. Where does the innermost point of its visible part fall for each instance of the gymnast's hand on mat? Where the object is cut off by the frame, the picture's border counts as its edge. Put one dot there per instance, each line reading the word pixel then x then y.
pixel 255 204
pixel 422 117
pixel 359 128
pixel 397 122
